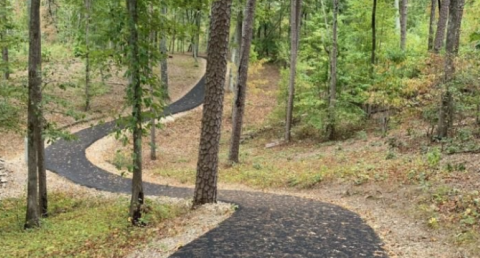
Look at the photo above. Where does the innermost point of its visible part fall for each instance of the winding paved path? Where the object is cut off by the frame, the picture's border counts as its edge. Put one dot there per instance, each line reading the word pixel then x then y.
pixel 265 225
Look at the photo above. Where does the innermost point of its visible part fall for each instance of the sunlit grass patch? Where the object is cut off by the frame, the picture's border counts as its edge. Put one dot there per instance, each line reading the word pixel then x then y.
pixel 80 227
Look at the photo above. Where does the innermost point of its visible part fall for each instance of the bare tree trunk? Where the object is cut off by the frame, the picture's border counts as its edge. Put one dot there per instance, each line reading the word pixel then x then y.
pixel 241 89
pixel 431 28
pixel 34 95
pixel 207 166
pixel 403 24
pixel 87 56
pixel 163 62
pixel 333 76
pixel 134 63
pixel 447 112
pixel 441 26
pixel 294 38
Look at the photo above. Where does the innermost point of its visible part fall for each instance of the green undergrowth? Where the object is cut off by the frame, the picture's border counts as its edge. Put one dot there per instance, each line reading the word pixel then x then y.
pixel 80 227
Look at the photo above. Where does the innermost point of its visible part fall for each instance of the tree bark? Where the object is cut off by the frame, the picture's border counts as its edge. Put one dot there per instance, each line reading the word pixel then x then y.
pixel 34 95
pixel 136 88
pixel 295 10
pixel 403 24
pixel 207 166
pixel 333 76
pixel 441 26
pixel 164 63
pixel 241 89
pixel 431 28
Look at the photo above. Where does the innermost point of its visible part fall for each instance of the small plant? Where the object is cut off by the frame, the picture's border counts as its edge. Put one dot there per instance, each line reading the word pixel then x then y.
pixel 433 157
pixel 121 161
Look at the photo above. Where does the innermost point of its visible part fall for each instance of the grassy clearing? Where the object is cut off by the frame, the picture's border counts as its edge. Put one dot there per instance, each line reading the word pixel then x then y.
pixel 80 227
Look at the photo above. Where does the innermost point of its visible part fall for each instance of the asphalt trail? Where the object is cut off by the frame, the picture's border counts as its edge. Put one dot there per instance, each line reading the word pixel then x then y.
pixel 265 225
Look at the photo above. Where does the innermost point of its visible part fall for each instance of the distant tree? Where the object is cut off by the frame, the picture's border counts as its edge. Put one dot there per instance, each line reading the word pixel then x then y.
pixel 374 35
pixel 207 166
pixel 431 27
pixel 164 63
pixel 4 22
pixel 235 50
pixel 295 13
pixel 446 111
pixel 333 76
pixel 441 26
pixel 241 89
pixel 403 23
pixel 87 54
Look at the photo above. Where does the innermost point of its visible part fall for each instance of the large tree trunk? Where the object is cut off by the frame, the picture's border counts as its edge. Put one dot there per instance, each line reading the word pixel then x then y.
pixel 34 95
pixel 136 88
pixel 403 24
pixel 441 26
pixel 241 89
pixel 207 166
pixel 163 62
pixel 87 56
pixel 446 113
pixel 295 10
pixel 431 28
pixel 333 76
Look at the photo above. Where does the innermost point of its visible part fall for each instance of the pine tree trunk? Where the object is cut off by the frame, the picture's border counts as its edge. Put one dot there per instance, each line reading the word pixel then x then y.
pixel 294 38
pixel 403 24
pixel 34 95
pixel 241 89
pixel 431 28
pixel 441 26
pixel 333 76
pixel 137 184
pixel 207 166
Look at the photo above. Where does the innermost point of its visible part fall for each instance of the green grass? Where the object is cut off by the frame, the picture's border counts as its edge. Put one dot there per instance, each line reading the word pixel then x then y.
pixel 79 227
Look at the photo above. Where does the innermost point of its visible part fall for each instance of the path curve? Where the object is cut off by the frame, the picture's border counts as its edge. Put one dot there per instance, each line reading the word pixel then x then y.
pixel 265 225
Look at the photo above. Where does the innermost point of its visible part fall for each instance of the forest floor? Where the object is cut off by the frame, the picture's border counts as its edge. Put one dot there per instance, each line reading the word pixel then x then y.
pixel 420 201
pixel 169 231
